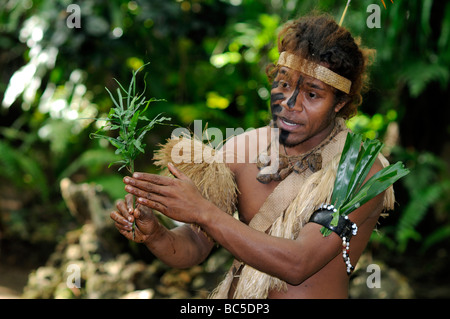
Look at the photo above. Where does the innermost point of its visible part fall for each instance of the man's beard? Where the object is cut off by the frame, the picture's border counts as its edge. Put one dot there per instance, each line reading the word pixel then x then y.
pixel 283 138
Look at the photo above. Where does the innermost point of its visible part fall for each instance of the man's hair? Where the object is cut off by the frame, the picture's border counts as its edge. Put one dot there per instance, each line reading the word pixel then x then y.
pixel 320 39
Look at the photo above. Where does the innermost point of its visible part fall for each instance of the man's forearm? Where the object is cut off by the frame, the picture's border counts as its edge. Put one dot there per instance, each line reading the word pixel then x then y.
pixel 180 247
pixel 276 256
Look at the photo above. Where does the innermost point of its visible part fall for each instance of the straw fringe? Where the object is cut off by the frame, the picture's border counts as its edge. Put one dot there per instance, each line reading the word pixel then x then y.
pixel 389 197
pixel 316 190
pixel 216 183
pixel 221 291
pixel 200 163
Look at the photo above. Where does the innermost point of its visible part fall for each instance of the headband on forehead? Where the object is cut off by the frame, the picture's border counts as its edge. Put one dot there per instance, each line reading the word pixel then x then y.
pixel 315 70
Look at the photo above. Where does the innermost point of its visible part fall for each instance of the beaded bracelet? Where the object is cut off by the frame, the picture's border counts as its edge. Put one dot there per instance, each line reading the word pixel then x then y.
pixel 345 229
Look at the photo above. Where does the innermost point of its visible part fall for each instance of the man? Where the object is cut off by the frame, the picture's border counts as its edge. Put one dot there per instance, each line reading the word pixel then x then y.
pixel 279 254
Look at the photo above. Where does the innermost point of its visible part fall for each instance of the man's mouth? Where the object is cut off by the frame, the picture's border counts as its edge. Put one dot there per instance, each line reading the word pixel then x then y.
pixel 288 124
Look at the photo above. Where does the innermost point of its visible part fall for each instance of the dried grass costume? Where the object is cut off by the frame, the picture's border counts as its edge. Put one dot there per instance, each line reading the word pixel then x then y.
pixel 286 210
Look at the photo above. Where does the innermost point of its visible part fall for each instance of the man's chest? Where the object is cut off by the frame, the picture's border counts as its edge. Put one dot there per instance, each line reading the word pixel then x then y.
pixel 252 193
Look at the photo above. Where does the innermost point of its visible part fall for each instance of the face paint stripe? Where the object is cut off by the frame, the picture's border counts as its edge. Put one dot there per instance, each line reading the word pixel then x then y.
pixel 276 97
pixel 293 99
pixel 275 84
pixel 276 108
pixel 283 137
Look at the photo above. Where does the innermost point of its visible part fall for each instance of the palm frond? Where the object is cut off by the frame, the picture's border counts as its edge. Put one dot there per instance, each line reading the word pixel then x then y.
pixel 350 192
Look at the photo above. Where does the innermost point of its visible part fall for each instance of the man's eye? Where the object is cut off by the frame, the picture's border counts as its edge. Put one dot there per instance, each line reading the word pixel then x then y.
pixel 312 95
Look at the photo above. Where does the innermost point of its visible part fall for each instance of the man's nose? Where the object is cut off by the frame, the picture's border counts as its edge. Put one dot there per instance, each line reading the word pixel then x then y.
pixel 294 101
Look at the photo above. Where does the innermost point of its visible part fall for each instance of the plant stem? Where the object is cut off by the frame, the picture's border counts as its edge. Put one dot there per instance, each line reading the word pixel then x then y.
pixel 133 227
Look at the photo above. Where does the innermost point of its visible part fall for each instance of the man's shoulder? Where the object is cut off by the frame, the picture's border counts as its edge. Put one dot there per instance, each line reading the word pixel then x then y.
pixel 249 137
pixel 245 147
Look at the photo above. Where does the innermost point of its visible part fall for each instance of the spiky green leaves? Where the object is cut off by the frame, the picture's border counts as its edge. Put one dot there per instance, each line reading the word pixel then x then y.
pixel 350 192
pixel 127 116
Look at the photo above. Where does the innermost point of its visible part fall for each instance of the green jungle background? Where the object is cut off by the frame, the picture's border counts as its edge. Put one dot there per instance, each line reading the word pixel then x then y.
pixel 207 60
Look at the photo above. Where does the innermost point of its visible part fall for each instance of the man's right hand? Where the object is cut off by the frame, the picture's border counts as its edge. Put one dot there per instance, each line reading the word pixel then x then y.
pixel 146 222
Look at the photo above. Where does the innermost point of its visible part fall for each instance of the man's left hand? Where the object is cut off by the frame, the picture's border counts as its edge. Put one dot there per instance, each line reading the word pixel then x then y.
pixel 177 198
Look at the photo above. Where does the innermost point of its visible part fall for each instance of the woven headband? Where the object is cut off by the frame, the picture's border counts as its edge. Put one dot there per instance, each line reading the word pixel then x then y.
pixel 315 70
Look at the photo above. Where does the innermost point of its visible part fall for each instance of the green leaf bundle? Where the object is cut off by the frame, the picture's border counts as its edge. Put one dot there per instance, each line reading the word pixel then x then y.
pixel 350 191
pixel 127 117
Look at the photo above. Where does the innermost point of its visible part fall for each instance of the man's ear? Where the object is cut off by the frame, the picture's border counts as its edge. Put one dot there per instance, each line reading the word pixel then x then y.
pixel 341 103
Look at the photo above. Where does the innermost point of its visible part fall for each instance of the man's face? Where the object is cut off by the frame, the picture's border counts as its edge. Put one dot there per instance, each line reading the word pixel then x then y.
pixel 303 108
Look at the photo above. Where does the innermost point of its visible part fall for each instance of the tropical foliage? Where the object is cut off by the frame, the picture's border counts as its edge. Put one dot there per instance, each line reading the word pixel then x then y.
pixel 208 62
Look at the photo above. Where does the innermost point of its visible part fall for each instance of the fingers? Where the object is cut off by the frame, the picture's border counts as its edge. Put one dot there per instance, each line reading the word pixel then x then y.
pixel 143 213
pixel 153 178
pixel 125 215
pixel 146 194
pixel 121 223
pixel 124 208
pixel 152 204
pixel 138 192
pixel 148 187
pixel 175 172
pixel 130 203
pixel 158 192
pixel 137 212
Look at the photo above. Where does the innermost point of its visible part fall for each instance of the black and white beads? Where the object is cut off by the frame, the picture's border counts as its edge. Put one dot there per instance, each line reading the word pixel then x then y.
pixel 345 229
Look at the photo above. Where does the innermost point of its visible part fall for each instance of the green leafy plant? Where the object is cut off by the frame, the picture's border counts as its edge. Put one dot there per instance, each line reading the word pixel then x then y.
pixel 350 191
pixel 127 117
pixel 23 170
pixel 428 187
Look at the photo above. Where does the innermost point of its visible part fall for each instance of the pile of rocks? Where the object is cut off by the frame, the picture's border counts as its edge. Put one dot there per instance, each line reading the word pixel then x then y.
pixel 94 261
pixel 101 274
